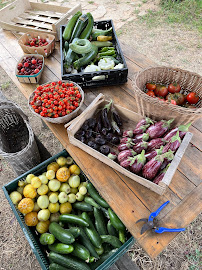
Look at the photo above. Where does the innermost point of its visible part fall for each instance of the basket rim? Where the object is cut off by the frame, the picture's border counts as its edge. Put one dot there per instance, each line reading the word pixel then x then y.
pixel 61 119
pixel 37 33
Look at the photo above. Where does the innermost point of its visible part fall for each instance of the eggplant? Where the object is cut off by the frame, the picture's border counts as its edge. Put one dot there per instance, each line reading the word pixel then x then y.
pixel 92 122
pixel 93 145
pixel 104 113
pixel 115 140
pixel 89 134
pixel 161 174
pixel 153 153
pixel 174 143
pixel 182 131
pixel 165 163
pixel 125 154
pixel 140 129
pixel 82 139
pixel 85 126
pixel 99 123
pixel 138 147
pixel 144 121
pixel 124 146
pixel 109 136
pixel 100 141
pixel 141 137
pixel 116 116
pixel 138 163
pixel 104 131
pixel 152 167
pixel 112 156
pixel 104 149
pixel 128 133
pixel 126 140
pixel 159 129
pixel 125 163
pixel 115 126
pixel 155 144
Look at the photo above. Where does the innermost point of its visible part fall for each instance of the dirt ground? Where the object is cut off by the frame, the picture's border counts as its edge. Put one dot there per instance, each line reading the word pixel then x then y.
pixel 165 45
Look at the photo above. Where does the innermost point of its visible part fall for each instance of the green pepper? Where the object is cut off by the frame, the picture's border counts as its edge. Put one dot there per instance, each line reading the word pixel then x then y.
pixel 109 52
pixel 80 24
pixel 106 49
pixel 87 31
pixel 70 26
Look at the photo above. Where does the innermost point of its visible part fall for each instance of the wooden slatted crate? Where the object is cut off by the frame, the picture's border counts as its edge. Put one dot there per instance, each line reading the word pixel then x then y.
pixel 24 15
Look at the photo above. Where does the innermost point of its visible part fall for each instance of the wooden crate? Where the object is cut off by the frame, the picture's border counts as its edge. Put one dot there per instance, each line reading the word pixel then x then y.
pixel 24 15
pixel 130 120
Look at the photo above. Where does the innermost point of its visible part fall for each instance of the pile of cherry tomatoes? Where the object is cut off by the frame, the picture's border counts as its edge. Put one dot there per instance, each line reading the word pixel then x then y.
pixel 171 94
pixel 37 42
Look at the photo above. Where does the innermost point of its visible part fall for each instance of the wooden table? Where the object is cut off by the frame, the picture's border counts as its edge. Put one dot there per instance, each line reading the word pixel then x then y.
pixel 128 199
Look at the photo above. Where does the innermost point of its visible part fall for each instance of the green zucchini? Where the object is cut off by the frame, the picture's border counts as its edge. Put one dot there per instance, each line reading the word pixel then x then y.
pixel 122 236
pixel 111 230
pixel 75 231
pixel 87 31
pixel 94 237
pixel 116 222
pixel 94 194
pixel 66 46
pixel 80 24
pixel 61 248
pixel 92 202
pixel 100 250
pixel 87 58
pixel 86 217
pixel 112 240
pixel 103 258
pixel 101 44
pixel 83 206
pixel 68 261
pixel 100 32
pixel 87 243
pixel 81 252
pixel 70 26
pixel 47 239
pixel 70 218
pixel 70 56
pixel 100 221
pixel 55 266
pixel 61 234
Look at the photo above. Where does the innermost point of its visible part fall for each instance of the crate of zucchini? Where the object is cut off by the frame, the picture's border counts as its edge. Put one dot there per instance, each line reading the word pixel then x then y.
pixel 81 233
pixel 90 52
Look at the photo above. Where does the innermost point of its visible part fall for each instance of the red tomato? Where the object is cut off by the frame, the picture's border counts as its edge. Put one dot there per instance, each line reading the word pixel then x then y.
pixel 174 88
pixel 151 93
pixel 192 98
pixel 163 91
pixel 151 86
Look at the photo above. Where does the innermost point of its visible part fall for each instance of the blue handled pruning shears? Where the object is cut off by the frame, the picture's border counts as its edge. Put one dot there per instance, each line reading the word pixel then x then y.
pixel 152 223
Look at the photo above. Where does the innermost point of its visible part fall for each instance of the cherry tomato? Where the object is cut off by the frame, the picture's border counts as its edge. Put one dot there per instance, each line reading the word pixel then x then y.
pixel 163 91
pixel 151 86
pixel 151 93
pixel 174 88
pixel 192 98
pixel 177 97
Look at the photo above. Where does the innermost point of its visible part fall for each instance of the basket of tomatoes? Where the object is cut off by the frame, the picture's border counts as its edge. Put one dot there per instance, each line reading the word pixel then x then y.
pixel 57 102
pixel 169 92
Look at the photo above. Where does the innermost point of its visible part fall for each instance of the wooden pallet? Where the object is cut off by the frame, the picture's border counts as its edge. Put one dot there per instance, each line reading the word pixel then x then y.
pixel 24 15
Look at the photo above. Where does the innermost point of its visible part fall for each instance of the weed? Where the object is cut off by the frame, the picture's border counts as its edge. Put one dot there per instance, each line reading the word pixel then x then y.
pixel 118 2
pixel 136 11
pixel 180 47
pixel 5 85
pixel 3 3
pixel 195 260
pixel 119 32
pixel 90 2
pixel 144 1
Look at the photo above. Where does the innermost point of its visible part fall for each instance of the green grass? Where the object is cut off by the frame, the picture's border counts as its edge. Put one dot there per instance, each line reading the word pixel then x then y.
pixel 5 85
pixel 186 12
pixel 195 260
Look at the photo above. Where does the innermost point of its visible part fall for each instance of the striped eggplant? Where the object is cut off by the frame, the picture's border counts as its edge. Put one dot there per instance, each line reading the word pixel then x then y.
pixel 138 147
pixel 138 162
pixel 125 154
pixel 155 144
pixel 112 156
pixel 125 140
pixel 159 129
pixel 182 131
pixel 173 144
pixel 141 137
pixel 124 146
pixel 153 153
pixel 152 167
pixel 161 174
pixel 128 133
pixel 140 129
pixel 165 163
pixel 144 121
pixel 125 163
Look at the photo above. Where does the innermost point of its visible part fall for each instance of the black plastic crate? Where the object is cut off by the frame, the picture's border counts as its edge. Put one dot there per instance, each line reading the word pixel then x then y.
pixel 112 76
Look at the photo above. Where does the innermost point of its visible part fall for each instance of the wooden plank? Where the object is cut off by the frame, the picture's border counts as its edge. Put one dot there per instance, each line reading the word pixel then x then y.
pixel 37 18
pixel 114 267
pixel 196 139
pixel 45 14
pixel 48 7
pixel 31 23
pixel 198 124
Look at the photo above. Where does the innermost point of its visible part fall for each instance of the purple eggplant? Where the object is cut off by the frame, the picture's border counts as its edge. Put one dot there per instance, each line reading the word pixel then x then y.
pixel 116 116
pixel 104 114
pixel 141 137
pixel 153 153
pixel 125 154
pixel 155 144
pixel 152 167
pixel 128 133
pixel 182 131
pixel 159 129
pixel 165 163
pixel 126 140
pixel 161 174
pixel 124 146
pixel 138 147
pixel 140 129
pixel 138 162
pixel 112 156
pixel 125 163
pixel 144 121
pixel 173 144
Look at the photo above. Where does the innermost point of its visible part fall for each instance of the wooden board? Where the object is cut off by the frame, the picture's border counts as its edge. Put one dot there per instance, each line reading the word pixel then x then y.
pixel 130 200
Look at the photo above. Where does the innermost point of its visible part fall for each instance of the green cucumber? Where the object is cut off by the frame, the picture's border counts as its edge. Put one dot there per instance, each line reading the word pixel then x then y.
pixel 91 259
pixel 92 202
pixel 87 243
pixel 83 206
pixel 100 250
pixel 66 46
pixel 111 230
pixel 75 231
pixel 87 31
pixel 81 252
pixel 122 236
pixel 55 266
pixel 70 218
pixel 86 59
pixel 100 223
pixel 47 239
pixel 70 26
pixel 80 24
pixel 85 216
pixel 68 261
pixel 101 44
pixel 112 240
pixel 61 234
pixel 103 258
pixel 94 194
pixel 94 237
pixel 61 248
pixel 116 222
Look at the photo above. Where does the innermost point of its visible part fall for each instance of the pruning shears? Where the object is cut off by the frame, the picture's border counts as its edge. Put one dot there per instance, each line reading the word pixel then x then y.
pixel 152 223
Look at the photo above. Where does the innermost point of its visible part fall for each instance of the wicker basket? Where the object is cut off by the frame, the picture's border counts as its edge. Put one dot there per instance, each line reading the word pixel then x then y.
pixel 62 119
pixel 156 109
pixel 17 143
pixel 44 50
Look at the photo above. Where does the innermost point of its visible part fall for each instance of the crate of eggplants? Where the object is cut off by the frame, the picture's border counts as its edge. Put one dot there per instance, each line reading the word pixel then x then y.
pixel 103 131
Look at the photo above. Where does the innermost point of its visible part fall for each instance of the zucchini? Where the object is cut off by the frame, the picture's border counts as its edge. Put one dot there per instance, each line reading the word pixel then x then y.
pixel 101 44
pixel 70 218
pixel 47 239
pixel 80 24
pixel 75 231
pixel 87 31
pixel 100 32
pixel 66 46
pixel 94 237
pixel 61 248
pixel 100 250
pixel 116 222
pixel 94 194
pixel 103 258
pixel 87 58
pixel 70 26
pixel 70 56
pixel 83 206
pixel 68 261
pixel 111 230
pixel 112 240
pixel 81 252
pixel 61 234
pixel 87 243
pixel 55 266
pixel 122 236
pixel 100 222
pixel 92 202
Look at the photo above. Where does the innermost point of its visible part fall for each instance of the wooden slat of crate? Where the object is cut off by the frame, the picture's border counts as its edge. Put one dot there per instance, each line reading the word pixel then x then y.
pixel 39 18
pixel 32 23
pixel 45 14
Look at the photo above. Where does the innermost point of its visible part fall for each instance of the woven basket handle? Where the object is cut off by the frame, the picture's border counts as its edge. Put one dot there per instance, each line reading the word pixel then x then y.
pixel 14 107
